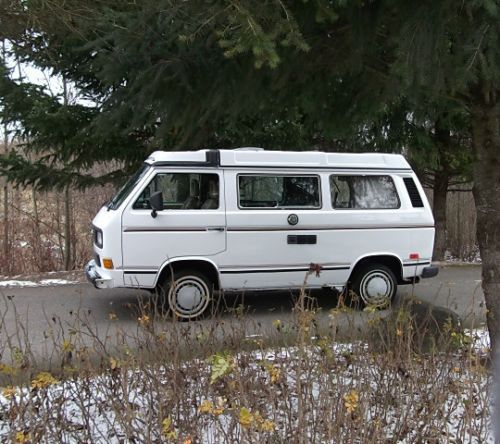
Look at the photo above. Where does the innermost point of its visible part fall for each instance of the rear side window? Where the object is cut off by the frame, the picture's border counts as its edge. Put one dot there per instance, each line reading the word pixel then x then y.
pixel 182 191
pixel 278 191
pixel 363 192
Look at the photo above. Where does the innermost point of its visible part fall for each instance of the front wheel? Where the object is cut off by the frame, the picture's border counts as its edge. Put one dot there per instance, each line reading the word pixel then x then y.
pixel 189 294
pixel 376 285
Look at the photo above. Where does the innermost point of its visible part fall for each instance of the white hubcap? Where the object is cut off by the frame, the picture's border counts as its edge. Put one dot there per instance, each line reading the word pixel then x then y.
pixel 189 297
pixel 376 288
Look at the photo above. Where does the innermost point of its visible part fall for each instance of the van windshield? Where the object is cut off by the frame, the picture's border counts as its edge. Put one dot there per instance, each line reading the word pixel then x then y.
pixel 125 190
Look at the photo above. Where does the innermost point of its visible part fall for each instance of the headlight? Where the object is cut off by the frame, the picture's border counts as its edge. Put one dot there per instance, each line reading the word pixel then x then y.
pixel 98 237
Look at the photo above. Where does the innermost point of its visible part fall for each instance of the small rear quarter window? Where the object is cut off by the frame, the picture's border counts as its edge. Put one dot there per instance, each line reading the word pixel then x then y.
pixel 416 200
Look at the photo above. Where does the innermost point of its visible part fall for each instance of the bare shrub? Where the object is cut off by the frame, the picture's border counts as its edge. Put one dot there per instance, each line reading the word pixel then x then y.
pixel 216 382
pixel 37 234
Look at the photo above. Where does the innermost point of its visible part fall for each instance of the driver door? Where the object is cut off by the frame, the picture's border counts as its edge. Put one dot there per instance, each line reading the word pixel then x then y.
pixel 192 223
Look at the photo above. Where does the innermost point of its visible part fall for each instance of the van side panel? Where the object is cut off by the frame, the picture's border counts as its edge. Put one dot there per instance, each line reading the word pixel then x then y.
pixel 259 253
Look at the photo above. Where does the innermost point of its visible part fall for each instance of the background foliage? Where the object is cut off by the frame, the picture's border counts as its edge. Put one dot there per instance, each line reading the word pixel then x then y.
pixel 387 75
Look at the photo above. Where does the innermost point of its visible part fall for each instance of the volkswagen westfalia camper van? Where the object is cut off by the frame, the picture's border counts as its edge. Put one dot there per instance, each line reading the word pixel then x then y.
pixel 195 223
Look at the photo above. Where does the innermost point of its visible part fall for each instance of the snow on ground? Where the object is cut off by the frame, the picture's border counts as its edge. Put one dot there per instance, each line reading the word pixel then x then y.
pixel 474 258
pixel 51 278
pixel 42 283
pixel 123 405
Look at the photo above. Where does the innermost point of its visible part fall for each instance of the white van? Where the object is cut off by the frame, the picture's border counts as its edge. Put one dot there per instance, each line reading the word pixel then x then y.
pixel 195 223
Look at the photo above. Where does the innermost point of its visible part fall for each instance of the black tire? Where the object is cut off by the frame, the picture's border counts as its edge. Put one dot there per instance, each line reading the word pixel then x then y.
pixel 375 285
pixel 189 294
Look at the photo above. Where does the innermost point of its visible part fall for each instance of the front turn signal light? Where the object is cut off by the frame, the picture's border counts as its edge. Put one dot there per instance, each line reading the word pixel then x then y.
pixel 108 263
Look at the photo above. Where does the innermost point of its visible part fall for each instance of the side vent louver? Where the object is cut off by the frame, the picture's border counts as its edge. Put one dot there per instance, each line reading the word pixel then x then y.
pixel 415 198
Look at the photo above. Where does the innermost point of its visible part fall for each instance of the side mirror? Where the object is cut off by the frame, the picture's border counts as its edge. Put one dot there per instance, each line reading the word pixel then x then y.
pixel 156 202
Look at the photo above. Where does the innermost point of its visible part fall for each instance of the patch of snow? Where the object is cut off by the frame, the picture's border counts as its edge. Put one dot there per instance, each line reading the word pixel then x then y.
pixel 89 406
pixel 14 283
pixel 42 283
pixel 474 257
pixel 480 339
pixel 56 282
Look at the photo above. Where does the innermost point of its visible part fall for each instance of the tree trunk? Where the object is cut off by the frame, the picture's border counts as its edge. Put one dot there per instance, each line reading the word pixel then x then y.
pixel 486 140
pixel 67 203
pixel 441 181
pixel 6 240
pixel 60 234
pixel 439 200
pixel 67 229
pixel 39 257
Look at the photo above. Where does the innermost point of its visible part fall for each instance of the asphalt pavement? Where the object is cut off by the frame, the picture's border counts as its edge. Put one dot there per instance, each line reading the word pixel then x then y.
pixel 36 322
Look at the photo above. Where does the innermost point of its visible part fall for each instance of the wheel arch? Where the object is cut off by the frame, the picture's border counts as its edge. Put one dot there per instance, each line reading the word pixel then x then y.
pixel 389 260
pixel 204 265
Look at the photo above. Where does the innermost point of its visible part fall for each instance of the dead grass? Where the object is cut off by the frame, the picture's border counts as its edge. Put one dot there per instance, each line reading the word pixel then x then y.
pixel 212 382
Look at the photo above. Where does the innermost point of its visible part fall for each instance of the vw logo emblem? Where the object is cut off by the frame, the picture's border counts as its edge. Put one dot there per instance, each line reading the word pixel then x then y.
pixel 293 219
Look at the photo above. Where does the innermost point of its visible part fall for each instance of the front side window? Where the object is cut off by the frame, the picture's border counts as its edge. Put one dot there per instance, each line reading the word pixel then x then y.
pixel 363 192
pixel 278 191
pixel 127 188
pixel 182 191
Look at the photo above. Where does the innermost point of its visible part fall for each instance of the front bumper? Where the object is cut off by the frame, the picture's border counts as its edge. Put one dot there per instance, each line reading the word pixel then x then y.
pixel 94 277
pixel 430 271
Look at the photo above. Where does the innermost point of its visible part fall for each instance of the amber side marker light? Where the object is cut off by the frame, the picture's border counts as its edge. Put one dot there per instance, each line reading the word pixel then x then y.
pixel 108 263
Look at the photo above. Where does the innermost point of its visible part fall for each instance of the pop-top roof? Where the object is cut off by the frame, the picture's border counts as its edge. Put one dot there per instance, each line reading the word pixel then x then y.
pixel 257 157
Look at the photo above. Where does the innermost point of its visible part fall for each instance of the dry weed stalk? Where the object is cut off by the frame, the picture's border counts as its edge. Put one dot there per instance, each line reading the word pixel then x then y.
pixel 213 382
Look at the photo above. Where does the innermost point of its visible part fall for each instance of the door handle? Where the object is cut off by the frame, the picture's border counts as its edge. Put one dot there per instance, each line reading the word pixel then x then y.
pixel 215 229
pixel 301 239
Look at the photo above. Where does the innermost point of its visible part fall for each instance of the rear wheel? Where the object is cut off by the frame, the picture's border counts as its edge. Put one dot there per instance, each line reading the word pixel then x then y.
pixel 375 285
pixel 189 294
